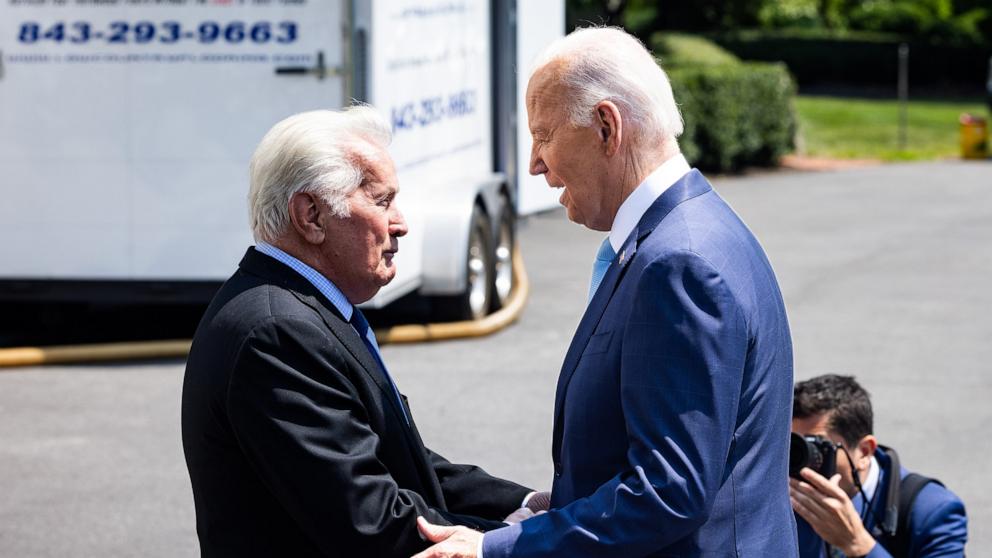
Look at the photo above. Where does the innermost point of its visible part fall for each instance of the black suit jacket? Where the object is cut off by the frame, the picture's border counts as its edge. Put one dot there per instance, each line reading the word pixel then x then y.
pixel 294 440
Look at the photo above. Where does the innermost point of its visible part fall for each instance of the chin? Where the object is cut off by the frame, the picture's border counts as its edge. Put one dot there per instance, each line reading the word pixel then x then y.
pixel 386 277
pixel 574 216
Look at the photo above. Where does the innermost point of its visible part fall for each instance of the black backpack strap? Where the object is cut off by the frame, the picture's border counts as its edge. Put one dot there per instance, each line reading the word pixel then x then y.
pixel 888 523
pixel 909 488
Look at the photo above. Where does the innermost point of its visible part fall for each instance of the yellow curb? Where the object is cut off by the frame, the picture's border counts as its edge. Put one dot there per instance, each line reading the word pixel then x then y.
pixel 414 333
pixel 65 354
pixel 419 333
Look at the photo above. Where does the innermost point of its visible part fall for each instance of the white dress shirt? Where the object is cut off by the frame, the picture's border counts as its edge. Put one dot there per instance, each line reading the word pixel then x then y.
pixel 638 202
pixel 870 485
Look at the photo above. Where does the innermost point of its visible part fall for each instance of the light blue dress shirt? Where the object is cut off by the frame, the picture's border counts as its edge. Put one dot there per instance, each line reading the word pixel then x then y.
pixel 323 284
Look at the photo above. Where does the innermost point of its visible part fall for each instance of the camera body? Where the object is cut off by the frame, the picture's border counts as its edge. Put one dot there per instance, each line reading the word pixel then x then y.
pixel 815 452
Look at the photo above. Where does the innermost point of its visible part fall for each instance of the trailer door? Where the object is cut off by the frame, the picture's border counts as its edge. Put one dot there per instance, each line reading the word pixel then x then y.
pixel 126 127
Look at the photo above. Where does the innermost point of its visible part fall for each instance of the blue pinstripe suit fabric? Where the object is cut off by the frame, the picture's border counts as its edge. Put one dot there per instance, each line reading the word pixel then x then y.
pixel 673 406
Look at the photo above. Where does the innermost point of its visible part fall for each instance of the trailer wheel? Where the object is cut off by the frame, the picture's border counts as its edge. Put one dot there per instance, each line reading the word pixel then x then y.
pixel 504 246
pixel 477 297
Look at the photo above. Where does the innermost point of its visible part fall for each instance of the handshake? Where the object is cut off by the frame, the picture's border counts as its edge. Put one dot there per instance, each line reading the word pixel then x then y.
pixel 462 542
pixel 535 504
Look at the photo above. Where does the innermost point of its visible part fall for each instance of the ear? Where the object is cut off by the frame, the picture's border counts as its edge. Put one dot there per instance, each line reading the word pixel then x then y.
pixel 304 217
pixel 867 447
pixel 610 126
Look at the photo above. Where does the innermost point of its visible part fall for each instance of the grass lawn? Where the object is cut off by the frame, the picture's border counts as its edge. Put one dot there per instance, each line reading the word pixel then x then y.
pixel 851 128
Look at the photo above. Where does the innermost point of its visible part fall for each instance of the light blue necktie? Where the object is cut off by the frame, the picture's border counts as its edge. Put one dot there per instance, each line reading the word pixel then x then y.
pixel 361 325
pixel 603 259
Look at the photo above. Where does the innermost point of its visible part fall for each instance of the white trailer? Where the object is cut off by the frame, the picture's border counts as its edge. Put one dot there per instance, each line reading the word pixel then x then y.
pixel 126 128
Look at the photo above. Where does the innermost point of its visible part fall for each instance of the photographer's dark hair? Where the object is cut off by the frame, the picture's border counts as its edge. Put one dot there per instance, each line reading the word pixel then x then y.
pixel 840 395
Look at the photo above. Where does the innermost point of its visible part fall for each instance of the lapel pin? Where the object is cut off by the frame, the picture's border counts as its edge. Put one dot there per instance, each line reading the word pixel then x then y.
pixel 623 254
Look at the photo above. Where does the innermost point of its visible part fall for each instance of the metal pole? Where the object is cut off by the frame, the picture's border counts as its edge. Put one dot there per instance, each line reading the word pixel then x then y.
pixel 903 94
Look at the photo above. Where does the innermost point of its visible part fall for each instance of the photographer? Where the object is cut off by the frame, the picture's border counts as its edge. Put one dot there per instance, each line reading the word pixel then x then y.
pixel 915 517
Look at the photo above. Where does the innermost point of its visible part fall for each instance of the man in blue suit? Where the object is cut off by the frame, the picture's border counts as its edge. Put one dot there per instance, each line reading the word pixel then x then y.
pixel 833 517
pixel 671 434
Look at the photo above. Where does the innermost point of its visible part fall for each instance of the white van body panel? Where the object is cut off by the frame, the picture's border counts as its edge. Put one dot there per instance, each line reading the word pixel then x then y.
pixel 126 126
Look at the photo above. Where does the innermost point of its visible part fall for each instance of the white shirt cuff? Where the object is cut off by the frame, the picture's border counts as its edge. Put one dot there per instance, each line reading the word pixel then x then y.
pixel 526 499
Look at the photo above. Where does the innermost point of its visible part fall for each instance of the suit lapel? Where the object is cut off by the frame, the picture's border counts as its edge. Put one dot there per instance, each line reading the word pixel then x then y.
pixel 279 274
pixel 691 185
pixel 259 264
pixel 591 317
pixel 428 476
pixel 348 337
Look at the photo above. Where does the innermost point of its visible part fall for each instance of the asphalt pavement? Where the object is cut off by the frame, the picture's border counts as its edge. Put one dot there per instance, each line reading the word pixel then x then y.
pixel 884 272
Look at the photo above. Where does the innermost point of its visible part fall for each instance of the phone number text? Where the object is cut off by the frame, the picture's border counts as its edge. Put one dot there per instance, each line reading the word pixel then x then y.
pixel 167 32
pixel 432 110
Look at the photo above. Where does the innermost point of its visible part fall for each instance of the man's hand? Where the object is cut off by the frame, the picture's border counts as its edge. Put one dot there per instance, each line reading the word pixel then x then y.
pixel 452 542
pixel 539 502
pixel 520 515
pixel 829 511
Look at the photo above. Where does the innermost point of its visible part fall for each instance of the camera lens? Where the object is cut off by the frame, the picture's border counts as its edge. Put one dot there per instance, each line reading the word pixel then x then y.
pixel 798 455
pixel 814 452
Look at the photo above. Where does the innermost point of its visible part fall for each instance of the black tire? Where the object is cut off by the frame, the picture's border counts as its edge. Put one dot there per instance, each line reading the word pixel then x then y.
pixel 504 245
pixel 477 297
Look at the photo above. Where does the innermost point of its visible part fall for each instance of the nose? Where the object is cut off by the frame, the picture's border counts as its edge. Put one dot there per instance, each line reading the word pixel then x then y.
pixel 397 223
pixel 537 165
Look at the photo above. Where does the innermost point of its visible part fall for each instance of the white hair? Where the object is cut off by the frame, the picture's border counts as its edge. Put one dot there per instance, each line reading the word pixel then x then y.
pixel 310 152
pixel 607 64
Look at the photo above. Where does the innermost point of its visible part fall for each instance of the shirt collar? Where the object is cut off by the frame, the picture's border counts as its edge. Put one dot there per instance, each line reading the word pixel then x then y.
pixel 321 283
pixel 638 202
pixel 871 481
pixel 868 487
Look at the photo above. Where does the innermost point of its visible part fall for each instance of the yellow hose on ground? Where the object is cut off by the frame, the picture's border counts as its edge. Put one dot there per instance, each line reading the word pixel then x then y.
pixel 413 333
pixel 417 333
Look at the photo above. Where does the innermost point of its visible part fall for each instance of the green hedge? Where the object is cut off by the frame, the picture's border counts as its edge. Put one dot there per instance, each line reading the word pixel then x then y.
pixel 735 115
pixel 818 57
pixel 682 49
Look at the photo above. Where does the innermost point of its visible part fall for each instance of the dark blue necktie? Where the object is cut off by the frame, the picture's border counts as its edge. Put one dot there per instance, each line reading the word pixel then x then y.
pixel 361 325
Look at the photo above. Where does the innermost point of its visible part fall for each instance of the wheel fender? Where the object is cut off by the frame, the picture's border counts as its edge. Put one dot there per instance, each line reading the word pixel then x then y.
pixel 447 221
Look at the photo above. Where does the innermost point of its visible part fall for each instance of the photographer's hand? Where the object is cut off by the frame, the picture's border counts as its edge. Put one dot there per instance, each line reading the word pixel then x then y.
pixel 830 512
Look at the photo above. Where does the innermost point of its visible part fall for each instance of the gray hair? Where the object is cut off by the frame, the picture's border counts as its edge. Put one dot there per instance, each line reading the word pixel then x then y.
pixel 311 152
pixel 607 64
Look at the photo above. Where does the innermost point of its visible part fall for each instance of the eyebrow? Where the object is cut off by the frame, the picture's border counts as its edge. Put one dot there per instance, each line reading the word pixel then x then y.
pixel 368 184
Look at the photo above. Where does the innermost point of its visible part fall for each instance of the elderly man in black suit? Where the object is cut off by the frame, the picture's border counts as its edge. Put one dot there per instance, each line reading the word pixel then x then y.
pixel 298 442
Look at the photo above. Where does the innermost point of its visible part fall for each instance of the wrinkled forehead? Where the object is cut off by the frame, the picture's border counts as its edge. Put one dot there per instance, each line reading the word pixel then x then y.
pixel 546 90
pixel 374 160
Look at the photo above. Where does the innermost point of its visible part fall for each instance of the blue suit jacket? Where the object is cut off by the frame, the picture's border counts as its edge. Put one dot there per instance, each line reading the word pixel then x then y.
pixel 674 402
pixel 937 521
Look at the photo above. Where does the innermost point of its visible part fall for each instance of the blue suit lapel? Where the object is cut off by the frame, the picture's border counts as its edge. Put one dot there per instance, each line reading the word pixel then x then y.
pixel 691 185
pixel 593 313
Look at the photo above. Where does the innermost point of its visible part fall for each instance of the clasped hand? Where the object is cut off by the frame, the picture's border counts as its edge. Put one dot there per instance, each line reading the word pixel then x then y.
pixel 462 542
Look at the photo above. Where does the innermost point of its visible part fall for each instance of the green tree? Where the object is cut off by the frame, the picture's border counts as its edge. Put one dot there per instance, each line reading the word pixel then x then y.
pixel 939 20
pixel 641 17
pixel 946 21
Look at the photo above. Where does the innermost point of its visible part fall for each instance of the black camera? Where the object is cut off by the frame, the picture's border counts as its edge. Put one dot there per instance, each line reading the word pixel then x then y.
pixel 815 452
